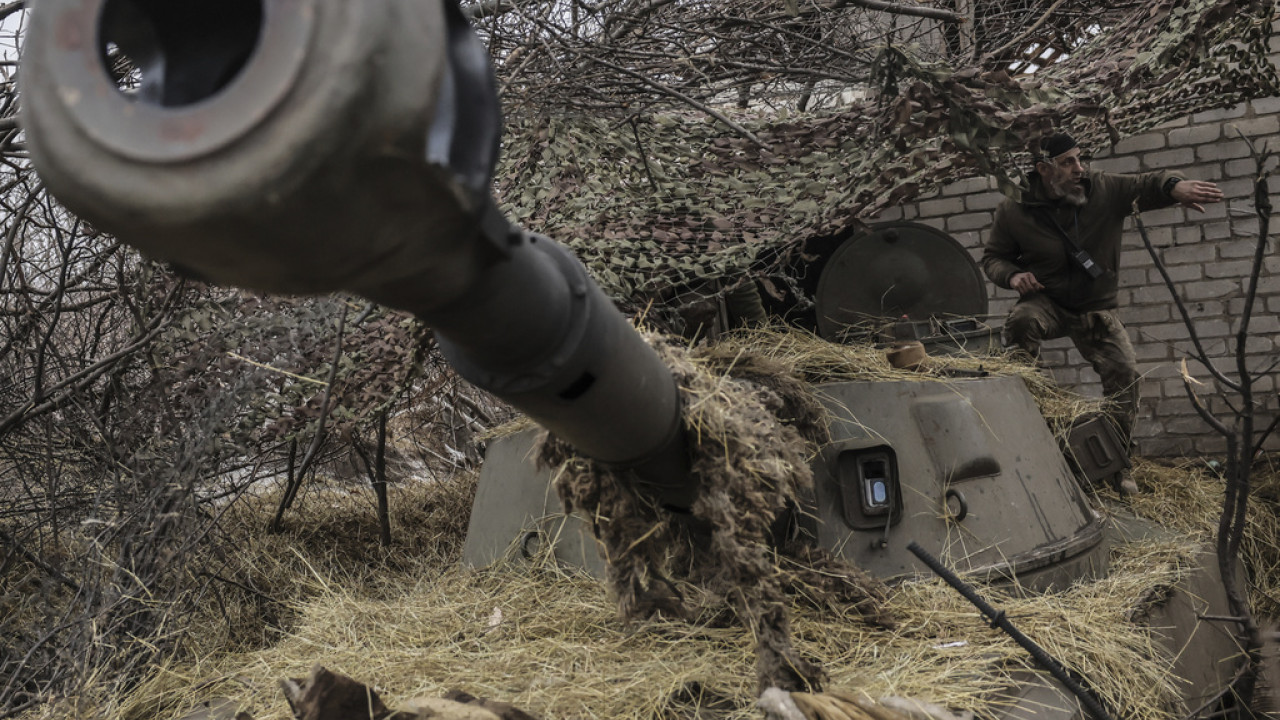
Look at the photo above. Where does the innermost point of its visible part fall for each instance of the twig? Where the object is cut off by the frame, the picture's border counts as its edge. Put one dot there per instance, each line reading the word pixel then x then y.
pixel 677 95
pixel 1023 36
pixel 644 157
pixel 286 373
pixel 913 10
pixel 318 438
pixel 36 560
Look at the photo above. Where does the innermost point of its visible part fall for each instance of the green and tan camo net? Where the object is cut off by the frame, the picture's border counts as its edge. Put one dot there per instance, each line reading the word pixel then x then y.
pixel 661 199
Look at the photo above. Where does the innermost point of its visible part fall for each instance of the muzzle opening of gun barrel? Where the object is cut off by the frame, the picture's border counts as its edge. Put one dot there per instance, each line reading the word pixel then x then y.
pixel 175 54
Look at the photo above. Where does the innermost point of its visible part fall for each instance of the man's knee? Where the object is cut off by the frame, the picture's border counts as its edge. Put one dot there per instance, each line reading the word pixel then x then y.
pixel 1026 327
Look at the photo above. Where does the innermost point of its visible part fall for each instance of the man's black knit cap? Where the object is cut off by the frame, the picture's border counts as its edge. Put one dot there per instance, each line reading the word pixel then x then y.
pixel 1056 144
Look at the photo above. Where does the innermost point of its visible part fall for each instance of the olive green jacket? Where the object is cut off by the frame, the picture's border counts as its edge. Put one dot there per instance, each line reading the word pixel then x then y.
pixel 1025 238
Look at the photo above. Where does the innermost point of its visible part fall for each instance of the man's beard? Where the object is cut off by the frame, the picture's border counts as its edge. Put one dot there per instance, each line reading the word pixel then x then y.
pixel 1071 193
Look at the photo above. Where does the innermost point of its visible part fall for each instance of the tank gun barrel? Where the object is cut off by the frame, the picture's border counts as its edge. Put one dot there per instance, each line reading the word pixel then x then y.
pixel 311 146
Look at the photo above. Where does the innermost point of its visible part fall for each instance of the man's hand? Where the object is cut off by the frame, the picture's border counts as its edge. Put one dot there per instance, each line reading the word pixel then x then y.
pixel 1024 282
pixel 1192 193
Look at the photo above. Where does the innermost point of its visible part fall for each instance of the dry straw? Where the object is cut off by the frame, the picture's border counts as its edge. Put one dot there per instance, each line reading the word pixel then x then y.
pixel 411 622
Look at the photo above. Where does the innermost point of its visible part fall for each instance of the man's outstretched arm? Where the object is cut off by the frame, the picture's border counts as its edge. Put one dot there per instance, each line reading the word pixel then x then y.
pixel 1195 193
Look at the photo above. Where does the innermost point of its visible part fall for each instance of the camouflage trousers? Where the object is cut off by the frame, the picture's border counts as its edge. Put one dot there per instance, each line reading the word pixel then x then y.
pixel 1098 335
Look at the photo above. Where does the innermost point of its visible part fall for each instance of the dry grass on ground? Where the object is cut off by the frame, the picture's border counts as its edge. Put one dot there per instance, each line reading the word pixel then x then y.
pixel 550 642
pixel 409 621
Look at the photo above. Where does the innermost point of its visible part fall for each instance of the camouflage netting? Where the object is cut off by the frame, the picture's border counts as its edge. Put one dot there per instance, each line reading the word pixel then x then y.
pixel 655 199
pixel 752 426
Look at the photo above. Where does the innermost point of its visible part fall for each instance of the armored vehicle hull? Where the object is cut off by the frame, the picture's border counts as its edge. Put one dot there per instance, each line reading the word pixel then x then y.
pixel 967 469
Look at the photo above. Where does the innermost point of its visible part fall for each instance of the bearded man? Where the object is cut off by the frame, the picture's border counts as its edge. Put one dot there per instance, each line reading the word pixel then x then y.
pixel 1059 248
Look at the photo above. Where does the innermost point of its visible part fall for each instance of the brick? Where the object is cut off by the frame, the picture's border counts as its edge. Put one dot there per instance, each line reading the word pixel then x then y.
pixel 1140 143
pixel 1174 388
pixel 1175 405
pixel 1164 216
pixel 1266 384
pixel 1176 122
pixel 971 240
pixel 1201 171
pixel 1234 269
pixel 1180 273
pixel 1245 227
pixel 1196 253
pixel 1136 258
pixel 1212 211
pixel 1242 168
pixel 969 185
pixel 1159 237
pixel 941 207
pixel 1264 324
pixel 1219 114
pixel 1216 230
pixel 1219 404
pixel 1120 164
pixel 1088 385
pixel 1272 443
pixel 1194 135
pixel 1132 277
pixel 1185 425
pixel 1169 158
pixel 890 214
pixel 1149 295
pixel 1270 262
pixel 1210 444
pixel 1235 306
pixel 1066 375
pixel 1273 304
pixel 1237 187
pixel 1165 446
pixel 935 223
pixel 1187 234
pixel 1213 329
pixel 1266 106
pixel 1258 344
pixel 1053 358
pixel 1269 284
pixel 1152 351
pixel 1000 307
pixel 1166 331
pixel 1221 356
pixel 1257 128
pixel 1226 150
pixel 1166 370
pixel 1137 315
pixel 983 201
pixel 1207 289
pixel 969 221
pixel 1205 308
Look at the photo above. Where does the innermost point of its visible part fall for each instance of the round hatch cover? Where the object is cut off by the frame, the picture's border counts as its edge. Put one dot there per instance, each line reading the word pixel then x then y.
pixel 896 269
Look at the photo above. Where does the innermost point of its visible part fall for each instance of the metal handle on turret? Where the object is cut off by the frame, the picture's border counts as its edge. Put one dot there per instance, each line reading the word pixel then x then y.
pixel 309 146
